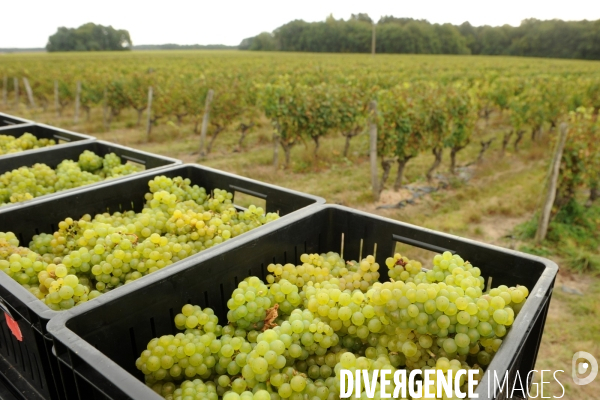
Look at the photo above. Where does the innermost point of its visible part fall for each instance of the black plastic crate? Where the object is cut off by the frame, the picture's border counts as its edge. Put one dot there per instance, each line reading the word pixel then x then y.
pixel 61 136
pixel 56 154
pixel 100 342
pixel 31 359
pixel 9 120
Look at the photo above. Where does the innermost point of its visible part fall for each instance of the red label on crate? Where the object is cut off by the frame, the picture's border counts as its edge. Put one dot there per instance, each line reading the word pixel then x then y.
pixel 14 327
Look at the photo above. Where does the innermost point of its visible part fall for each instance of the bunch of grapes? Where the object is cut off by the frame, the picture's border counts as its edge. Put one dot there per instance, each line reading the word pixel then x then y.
pixel 90 161
pixel 27 141
pixel 90 256
pixel 26 183
pixel 290 337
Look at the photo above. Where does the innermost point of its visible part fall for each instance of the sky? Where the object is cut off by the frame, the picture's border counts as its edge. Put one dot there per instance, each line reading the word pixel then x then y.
pixel 228 22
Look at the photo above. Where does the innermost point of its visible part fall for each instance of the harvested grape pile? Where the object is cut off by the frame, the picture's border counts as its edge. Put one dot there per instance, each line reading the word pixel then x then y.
pixel 26 183
pixel 90 256
pixel 10 144
pixel 289 337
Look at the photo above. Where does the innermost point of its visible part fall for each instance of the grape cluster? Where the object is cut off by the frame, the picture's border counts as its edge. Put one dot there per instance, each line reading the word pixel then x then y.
pixel 289 338
pixel 26 183
pixel 90 256
pixel 317 268
pixel 27 141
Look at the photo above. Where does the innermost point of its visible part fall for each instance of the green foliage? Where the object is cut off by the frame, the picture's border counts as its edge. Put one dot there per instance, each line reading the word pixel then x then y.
pixel 533 38
pixel 537 251
pixel 573 234
pixel 116 96
pixel 580 163
pixel 264 41
pixel 462 115
pixel 576 231
pixel 351 106
pixel 89 37
pixel 401 124
pixel 354 36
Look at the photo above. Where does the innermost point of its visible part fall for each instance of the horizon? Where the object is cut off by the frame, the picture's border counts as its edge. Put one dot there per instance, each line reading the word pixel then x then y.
pixel 236 45
pixel 198 25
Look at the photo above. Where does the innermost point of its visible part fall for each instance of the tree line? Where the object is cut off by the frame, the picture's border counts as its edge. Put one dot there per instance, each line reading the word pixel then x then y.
pixel 89 37
pixel 532 38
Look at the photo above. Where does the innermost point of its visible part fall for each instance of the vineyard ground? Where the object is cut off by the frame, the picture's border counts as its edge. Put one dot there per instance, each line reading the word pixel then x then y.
pixel 501 193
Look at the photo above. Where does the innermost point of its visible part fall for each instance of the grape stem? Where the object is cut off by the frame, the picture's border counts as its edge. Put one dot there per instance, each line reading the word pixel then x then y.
pixel 489 285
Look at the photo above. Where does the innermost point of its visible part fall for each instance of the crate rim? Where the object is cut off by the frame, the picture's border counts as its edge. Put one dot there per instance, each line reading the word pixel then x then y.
pixel 157 172
pixel 512 342
pixel 83 143
pixel 57 148
pixel 43 311
pixel 19 125
pixel 25 121
pixel 81 138
pixel 56 128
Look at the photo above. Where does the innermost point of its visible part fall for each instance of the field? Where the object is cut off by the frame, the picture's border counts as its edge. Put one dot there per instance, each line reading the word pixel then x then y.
pixel 488 199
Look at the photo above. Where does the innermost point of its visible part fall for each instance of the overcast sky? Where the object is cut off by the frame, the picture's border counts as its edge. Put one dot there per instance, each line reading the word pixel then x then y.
pixel 27 23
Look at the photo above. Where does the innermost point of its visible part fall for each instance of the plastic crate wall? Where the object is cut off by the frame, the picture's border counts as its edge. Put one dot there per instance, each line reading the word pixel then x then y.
pixel 127 193
pixel 54 155
pixel 100 343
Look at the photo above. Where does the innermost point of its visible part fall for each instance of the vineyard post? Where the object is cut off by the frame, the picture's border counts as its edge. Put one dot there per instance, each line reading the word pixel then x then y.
pixel 29 92
pixel 542 229
pixel 16 82
pixel 209 97
pixel 373 147
pixel 276 148
pixel 56 103
pixel 105 110
pixel 5 91
pixel 77 101
pixel 149 114
pixel 373 40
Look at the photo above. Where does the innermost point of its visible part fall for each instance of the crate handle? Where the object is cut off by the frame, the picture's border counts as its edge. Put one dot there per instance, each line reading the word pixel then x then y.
pixel 135 160
pixel 250 192
pixel 59 137
pixel 423 245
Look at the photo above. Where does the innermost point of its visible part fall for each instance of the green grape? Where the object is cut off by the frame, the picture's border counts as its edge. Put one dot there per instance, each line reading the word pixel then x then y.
pixel 290 339
pixel 106 251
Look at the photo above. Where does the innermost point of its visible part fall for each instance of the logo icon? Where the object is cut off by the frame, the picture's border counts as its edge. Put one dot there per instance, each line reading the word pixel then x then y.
pixel 580 368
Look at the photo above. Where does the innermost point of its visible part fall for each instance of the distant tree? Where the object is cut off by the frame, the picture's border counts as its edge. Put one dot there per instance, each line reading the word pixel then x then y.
pixel 289 37
pixel 533 38
pixel 262 42
pixel 89 37
pixel 361 17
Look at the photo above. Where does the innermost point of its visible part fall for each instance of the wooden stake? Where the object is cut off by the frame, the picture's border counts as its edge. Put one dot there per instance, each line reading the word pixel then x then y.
pixel 149 114
pixel 542 230
pixel 373 40
pixel 105 111
pixel 16 82
pixel 56 102
pixel 29 92
pixel 77 102
pixel 276 149
pixel 209 97
pixel 373 148
pixel 5 91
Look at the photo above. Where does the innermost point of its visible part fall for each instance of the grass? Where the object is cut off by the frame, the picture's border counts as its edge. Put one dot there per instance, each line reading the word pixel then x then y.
pixel 573 234
pixel 502 193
